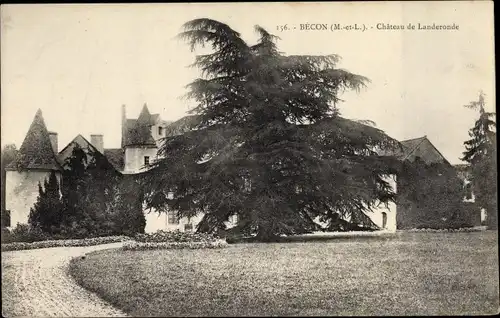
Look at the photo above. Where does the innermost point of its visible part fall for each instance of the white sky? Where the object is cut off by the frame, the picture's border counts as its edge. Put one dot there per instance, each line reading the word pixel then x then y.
pixel 80 63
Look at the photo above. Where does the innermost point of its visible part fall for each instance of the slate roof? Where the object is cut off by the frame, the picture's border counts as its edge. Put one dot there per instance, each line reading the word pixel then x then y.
pixel 66 151
pixel 84 144
pixel 138 131
pixel 36 150
pixel 116 157
pixel 181 126
pixel 154 117
pixel 423 147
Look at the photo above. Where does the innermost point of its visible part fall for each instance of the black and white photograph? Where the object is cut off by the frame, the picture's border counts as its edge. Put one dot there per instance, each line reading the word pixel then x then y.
pixel 249 159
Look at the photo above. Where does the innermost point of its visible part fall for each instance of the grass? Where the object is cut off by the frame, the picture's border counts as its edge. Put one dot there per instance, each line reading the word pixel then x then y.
pixel 408 274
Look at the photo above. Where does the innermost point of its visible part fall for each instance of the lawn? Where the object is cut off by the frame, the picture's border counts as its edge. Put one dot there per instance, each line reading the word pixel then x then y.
pixel 409 274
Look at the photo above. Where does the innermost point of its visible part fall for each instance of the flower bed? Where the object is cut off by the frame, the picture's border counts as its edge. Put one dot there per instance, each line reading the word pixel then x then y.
pixel 162 236
pixel 16 246
pixel 466 229
pixel 140 246
pixel 174 240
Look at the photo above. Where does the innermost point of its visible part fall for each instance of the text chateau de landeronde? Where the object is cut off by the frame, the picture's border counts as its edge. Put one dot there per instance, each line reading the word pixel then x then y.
pixel 434 26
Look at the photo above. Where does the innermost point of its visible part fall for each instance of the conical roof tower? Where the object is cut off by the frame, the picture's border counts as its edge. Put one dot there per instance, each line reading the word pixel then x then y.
pixel 36 151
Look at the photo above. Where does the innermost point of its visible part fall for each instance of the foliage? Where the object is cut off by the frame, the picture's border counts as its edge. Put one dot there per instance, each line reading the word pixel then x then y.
pixel 174 240
pixel 266 141
pixel 463 229
pixel 127 209
pixel 162 236
pixel 141 246
pixel 47 211
pixel 18 245
pixel 6 235
pixel 95 201
pixel 23 233
pixel 481 153
pixel 433 196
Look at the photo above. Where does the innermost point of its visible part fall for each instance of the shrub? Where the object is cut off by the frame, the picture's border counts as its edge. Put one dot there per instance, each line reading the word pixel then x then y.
pixel 431 196
pixel 139 246
pixel 162 236
pixel 16 246
pixel 27 233
pixel 6 236
pixel 174 240
pixel 434 230
pixel 48 208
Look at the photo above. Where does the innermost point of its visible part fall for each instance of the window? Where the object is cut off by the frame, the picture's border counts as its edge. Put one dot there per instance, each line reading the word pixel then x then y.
pixel 468 191
pixel 172 218
pixel 146 160
pixel 188 227
pixel 384 220
pixel 160 131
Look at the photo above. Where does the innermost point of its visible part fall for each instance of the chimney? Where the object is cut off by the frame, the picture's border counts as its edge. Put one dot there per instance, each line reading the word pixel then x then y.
pixel 53 141
pixel 98 142
pixel 124 113
pixel 124 122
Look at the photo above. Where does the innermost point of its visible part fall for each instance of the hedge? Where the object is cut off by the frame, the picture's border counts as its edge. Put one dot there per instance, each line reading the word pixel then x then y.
pixel 140 246
pixel 465 229
pixel 17 246
pixel 162 236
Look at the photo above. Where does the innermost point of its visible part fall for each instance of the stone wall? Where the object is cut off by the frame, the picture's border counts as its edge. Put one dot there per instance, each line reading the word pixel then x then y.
pixel 155 222
pixel 21 192
pixel 134 158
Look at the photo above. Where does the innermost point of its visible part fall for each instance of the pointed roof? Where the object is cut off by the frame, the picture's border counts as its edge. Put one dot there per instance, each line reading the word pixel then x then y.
pixel 36 151
pixel 78 140
pixel 182 125
pixel 421 147
pixel 410 145
pixel 145 116
pixel 86 146
pixel 154 118
pixel 116 156
pixel 138 132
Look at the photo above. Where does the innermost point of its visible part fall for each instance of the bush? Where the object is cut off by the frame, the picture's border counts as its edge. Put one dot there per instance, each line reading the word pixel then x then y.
pixel 174 240
pixel 16 246
pixel 140 246
pixel 6 236
pixel 27 233
pixel 177 236
pixel 434 230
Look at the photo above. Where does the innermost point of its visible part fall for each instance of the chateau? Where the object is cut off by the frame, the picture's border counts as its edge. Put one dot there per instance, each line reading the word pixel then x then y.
pixel 140 139
pixel 39 155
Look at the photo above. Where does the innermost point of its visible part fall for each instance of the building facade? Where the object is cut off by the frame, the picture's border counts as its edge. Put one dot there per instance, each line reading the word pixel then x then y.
pixel 140 141
pixel 35 162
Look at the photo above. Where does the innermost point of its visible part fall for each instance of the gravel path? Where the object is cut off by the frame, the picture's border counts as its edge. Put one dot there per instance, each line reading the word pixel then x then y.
pixel 37 283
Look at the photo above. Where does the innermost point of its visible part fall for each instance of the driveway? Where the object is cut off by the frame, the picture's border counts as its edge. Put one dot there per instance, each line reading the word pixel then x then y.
pixel 37 283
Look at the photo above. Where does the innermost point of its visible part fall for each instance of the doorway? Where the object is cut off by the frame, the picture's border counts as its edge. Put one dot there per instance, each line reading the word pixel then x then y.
pixel 384 220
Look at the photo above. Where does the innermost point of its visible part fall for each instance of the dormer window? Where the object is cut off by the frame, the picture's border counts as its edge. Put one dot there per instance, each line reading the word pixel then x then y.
pixel 160 131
